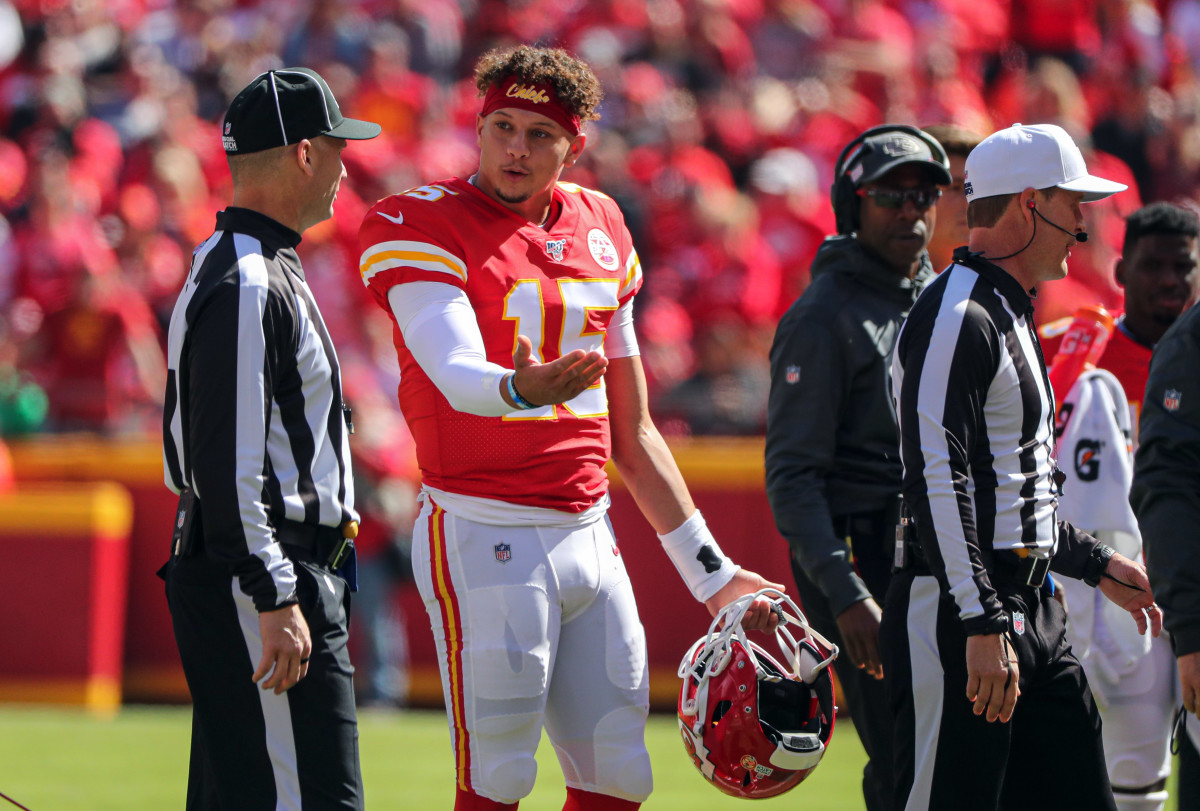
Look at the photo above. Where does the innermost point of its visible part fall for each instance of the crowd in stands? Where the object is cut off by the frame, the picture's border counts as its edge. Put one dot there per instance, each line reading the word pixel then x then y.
pixel 721 122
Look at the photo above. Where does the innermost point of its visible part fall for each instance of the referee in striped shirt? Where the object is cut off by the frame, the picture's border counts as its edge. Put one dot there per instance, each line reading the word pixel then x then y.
pixel 992 709
pixel 255 441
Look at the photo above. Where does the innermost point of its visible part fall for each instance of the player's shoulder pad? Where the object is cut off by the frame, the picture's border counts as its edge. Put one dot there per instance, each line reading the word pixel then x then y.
pixel 420 207
pixel 419 230
pixel 591 199
pixel 575 188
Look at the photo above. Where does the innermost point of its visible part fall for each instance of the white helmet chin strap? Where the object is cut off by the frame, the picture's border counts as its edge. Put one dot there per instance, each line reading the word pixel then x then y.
pixel 713 652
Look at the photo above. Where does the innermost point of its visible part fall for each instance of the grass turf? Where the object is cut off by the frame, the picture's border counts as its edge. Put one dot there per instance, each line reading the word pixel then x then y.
pixel 65 760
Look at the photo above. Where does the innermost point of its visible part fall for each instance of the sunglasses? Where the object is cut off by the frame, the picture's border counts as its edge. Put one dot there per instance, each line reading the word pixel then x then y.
pixel 896 198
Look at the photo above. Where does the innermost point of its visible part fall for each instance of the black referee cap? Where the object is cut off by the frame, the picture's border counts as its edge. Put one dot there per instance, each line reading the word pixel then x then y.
pixel 284 106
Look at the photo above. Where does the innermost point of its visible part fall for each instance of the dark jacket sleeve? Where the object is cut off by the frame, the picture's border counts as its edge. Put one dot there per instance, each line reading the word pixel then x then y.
pixel 1166 482
pixel 1074 551
pixel 808 390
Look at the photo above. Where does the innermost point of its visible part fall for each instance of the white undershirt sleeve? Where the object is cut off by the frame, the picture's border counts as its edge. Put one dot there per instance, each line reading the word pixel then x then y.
pixel 620 341
pixel 440 329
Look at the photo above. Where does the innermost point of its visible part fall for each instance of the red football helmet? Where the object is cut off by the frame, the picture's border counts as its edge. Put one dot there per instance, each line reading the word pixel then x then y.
pixel 754 728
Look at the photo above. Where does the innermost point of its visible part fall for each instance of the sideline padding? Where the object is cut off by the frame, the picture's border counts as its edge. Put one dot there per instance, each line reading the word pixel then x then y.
pixel 66 551
pixel 725 476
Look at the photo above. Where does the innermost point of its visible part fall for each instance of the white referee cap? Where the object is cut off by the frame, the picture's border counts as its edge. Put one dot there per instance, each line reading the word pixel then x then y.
pixel 1031 156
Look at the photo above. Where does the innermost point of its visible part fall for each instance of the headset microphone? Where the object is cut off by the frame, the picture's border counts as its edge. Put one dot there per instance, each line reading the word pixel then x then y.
pixel 1080 236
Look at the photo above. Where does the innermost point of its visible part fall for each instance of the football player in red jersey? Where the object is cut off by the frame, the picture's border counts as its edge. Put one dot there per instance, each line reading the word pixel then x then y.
pixel 512 298
pixel 1132 677
pixel 1158 272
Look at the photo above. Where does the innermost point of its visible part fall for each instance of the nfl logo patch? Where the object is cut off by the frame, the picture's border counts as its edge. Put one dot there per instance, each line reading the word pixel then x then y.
pixel 1019 622
pixel 1171 398
pixel 555 248
pixel 503 552
pixel 793 375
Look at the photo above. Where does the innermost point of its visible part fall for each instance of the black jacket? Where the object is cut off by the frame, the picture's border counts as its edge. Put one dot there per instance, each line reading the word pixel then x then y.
pixel 1166 480
pixel 832 442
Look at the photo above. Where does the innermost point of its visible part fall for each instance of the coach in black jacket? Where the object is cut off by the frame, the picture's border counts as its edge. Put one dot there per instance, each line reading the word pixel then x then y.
pixel 832 455
pixel 992 709
pixel 255 443
pixel 1166 494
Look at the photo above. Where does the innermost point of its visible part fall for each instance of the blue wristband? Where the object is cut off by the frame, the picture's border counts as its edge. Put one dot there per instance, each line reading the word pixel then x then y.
pixel 521 402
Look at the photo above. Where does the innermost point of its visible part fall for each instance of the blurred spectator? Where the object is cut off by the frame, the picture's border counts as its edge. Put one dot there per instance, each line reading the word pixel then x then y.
pixel 386 481
pixel 727 394
pixel 99 359
pixel 22 401
pixel 794 216
pixel 951 228
pixel 719 131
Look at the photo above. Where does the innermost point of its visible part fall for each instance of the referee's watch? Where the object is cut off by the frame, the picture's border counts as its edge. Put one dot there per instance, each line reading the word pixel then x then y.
pixel 1097 563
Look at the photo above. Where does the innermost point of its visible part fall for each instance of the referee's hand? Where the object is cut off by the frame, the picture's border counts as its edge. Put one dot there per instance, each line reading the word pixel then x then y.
pixel 286 648
pixel 992 676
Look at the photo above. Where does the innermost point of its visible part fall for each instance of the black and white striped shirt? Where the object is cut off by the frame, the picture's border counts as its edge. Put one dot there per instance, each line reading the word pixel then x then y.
pixel 253 420
pixel 976 416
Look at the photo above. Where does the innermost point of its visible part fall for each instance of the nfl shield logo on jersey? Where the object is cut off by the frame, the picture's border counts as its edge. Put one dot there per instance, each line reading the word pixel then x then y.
pixel 1019 622
pixel 793 375
pixel 503 552
pixel 1171 398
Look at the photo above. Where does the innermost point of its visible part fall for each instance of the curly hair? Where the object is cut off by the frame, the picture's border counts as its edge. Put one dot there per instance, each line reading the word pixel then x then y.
pixel 577 87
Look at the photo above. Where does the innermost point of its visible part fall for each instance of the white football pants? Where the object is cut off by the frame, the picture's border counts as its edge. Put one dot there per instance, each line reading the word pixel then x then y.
pixel 536 626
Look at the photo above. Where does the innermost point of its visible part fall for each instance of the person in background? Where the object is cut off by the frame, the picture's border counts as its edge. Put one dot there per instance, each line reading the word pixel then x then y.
pixel 832 455
pixel 951 228
pixel 1132 677
pixel 1164 488
pixel 727 394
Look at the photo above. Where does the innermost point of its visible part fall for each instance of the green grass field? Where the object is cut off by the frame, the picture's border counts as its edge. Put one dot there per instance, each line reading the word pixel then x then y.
pixel 62 760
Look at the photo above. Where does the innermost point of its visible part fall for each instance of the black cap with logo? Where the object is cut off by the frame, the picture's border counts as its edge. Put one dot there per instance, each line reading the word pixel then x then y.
pixel 883 152
pixel 284 106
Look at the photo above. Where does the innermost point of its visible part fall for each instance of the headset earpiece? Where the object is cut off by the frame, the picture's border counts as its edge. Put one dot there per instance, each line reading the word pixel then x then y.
pixel 1030 203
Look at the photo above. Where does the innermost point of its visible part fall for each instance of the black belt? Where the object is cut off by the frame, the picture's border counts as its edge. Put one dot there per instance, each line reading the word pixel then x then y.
pixel 878 524
pixel 1008 568
pixel 313 543
pixel 1012 569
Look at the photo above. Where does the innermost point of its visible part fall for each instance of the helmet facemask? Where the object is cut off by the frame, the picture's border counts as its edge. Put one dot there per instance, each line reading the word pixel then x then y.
pixel 754 727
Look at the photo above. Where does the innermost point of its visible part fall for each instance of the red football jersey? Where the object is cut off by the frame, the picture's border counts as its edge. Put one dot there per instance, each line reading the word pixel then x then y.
pixel 1127 359
pixel 558 285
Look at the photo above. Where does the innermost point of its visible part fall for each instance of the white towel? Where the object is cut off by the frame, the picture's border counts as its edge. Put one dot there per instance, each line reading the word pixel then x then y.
pixel 1095 451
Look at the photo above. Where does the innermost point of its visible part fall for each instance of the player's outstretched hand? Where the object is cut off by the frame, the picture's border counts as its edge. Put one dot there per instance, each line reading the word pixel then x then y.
pixel 286 647
pixel 1125 583
pixel 759 617
pixel 557 381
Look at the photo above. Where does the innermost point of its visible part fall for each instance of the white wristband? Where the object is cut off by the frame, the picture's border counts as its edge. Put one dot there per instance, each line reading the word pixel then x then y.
pixel 698 558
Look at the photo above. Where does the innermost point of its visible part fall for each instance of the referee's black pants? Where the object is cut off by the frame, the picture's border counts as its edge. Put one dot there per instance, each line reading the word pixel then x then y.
pixel 251 749
pixel 1048 756
pixel 865 694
